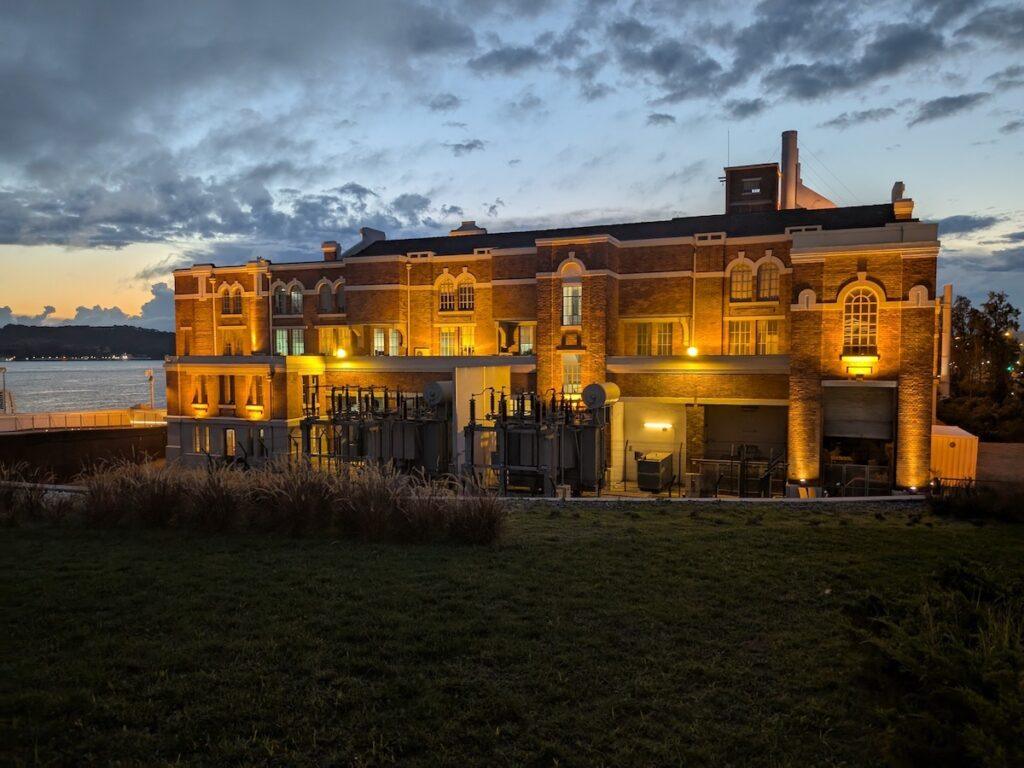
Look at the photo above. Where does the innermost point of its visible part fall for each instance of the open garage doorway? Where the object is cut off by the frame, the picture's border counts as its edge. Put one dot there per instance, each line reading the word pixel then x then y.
pixel 858 438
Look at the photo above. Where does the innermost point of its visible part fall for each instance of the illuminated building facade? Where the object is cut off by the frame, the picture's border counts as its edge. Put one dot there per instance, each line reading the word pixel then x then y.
pixel 788 325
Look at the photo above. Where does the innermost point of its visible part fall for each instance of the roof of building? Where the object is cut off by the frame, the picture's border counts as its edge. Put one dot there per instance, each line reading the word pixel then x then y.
pixel 733 224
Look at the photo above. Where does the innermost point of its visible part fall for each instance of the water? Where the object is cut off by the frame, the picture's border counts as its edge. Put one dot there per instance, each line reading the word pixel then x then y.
pixel 83 385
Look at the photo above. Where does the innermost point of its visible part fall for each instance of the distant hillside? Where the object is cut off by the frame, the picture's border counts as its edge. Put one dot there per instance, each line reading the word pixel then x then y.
pixel 23 341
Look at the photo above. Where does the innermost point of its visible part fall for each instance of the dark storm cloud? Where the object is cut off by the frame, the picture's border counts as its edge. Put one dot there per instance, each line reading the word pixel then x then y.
pixel 444 102
pixel 461 148
pixel 506 60
pixel 894 48
pixel 846 120
pixel 1011 127
pixel 410 207
pixel 527 105
pixel 946 106
pixel 962 224
pixel 1001 24
pixel 630 32
pixel 741 108
pixel 681 70
pixel 660 118
pixel 1003 260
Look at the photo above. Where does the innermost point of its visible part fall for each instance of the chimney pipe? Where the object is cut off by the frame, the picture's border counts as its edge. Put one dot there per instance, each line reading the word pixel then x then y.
pixel 790 169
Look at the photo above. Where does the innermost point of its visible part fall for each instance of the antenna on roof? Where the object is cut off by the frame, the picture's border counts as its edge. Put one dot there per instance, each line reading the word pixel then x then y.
pixel 728 148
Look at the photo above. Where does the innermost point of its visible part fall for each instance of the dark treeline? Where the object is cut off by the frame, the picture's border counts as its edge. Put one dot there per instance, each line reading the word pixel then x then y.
pixel 24 341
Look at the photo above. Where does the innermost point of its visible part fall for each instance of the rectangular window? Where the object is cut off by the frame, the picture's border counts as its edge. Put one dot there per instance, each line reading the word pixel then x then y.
pixel 256 395
pixel 572 374
pixel 526 334
pixel 572 304
pixel 467 339
pixel 197 446
pixel 230 442
pixel 466 299
pixel 643 339
pixel 379 338
pixel 281 341
pixel 752 186
pixel 448 341
pixel 298 341
pixel 227 390
pixel 739 337
pixel 200 390
pixel 767 337
pixel 394 343
pixel 664 338
pixel 232 341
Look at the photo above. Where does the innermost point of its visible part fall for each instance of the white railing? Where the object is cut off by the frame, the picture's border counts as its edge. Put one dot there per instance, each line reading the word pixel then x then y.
pixel 105 419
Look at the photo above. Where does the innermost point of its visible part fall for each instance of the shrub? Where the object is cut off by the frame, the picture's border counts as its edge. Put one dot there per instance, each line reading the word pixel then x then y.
pixel 22 496
pixel 984 502
pixel 947 667
pixel 370 502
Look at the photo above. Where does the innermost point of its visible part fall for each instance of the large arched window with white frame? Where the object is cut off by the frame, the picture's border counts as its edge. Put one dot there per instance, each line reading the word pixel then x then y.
pixel 446 294
pixel 280 300
pixel 325 297
pixel 860 322
pixel 768 281
pixel 741 283
pixel 295 299
pixel 236 300
pixel 225 301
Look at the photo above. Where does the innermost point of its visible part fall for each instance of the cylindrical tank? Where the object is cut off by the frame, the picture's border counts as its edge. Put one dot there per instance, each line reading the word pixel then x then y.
pixel 600 394
pixel 437 393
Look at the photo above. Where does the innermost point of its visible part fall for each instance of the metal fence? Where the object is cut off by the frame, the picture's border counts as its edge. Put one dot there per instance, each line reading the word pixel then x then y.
pixel 125 417
pixel 733 477
pixel 856 480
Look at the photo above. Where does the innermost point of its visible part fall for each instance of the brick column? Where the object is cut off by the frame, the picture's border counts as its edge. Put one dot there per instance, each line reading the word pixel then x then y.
pixel 805 397
pixel 914 398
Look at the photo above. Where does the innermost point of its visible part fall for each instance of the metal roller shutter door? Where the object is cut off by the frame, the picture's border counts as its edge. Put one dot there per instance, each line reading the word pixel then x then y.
pixel 859 412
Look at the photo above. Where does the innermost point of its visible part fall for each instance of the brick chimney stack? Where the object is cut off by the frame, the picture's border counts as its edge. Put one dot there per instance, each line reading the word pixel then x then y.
pixel 330 249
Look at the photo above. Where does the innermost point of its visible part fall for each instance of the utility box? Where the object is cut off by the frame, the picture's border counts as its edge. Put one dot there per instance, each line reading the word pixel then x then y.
pixel 954 453
pixel 654 471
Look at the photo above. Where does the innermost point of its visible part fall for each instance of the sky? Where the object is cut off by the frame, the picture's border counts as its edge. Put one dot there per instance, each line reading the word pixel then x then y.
pixel 139 137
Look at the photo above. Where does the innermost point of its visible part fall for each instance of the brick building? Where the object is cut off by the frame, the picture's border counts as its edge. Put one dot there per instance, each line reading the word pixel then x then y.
pixel 788 325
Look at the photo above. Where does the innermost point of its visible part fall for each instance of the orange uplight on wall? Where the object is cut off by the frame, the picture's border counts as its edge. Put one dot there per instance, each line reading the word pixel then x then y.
pixel 859 365
pixel 254 411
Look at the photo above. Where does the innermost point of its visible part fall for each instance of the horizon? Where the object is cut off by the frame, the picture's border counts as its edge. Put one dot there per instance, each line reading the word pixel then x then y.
pixel 232 136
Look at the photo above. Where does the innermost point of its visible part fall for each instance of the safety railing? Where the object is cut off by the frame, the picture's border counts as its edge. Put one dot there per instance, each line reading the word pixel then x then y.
pixel 857 480
pixel 104 419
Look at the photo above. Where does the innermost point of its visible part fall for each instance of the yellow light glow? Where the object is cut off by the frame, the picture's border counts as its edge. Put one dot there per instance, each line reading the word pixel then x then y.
pixel 340 353
pixel 662 426
pixel 860 360
pixel 691 351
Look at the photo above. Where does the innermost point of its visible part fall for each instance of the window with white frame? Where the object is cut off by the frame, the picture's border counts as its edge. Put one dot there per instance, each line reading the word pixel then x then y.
pixel 643 339
pixel 280 301
pixel 526 336
pixel 767 341
pixel 860 322
pixel 297 341
pixel 741 283
pixel 467 300
pixel 280 341
pixel 225 303
pixel 448 341
pixel 768 282
pixel 572 374
pixel 664 339
pixel 572 304
pixel 230 442
pixel 295 300
pixel 380 341
pixel 446 295
pixel 395 343
pixel 467 340
pixel 740 341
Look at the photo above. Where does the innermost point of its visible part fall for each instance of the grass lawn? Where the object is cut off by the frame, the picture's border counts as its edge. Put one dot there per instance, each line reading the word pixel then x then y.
pixel 594 635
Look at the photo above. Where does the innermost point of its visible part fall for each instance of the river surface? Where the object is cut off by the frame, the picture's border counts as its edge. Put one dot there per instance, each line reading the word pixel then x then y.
pixel 83 385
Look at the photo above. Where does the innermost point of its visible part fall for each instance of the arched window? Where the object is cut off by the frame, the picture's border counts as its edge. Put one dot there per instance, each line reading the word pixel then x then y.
pixel 741 283
pixel 225 302
pixel 860 322
pixel 466 297
pixel 326 299
pixel 280 301
pixel 768 281
pixel 339 298
pixel 236 301
pixel 446 295
pixel 296 300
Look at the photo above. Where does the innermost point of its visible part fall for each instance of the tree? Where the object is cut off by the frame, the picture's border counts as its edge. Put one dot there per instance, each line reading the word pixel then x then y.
pixel 984 346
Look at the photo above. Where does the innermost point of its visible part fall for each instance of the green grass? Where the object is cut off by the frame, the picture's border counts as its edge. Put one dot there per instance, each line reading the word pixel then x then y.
pixel 597 635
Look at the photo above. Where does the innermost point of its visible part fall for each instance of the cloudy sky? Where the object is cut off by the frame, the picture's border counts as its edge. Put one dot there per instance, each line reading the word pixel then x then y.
pixel 139 136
